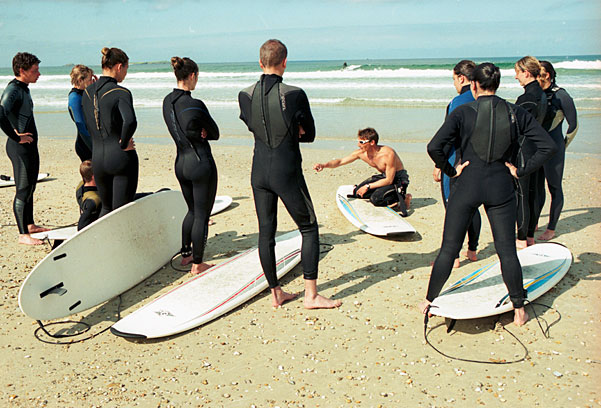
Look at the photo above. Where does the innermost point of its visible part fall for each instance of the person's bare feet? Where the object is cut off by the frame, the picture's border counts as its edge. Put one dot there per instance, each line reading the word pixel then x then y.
pixel 520 317
pixel 320 302
pixel 211 222
pixel 408 198
pixel 423 307
pixel 456 263
pixel 547 235
pixel 27 239
pixel 521 244
pixel 471 255
pixel 187 260
pixel 279 297
pixel 32 228
pixel 200 268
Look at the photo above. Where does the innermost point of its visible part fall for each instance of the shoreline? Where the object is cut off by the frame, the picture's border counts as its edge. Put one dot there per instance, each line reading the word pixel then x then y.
pixel 370 352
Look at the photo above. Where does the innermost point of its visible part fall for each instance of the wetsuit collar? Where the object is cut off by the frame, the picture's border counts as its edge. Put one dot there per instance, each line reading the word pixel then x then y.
pixel 269 81
pixel 104 79
pixel 77 90
pixel 531 86
pixel 21 84
pixel 464 89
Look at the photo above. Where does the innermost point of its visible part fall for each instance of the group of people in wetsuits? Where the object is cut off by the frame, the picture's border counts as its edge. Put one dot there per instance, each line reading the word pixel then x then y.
pixel 481 151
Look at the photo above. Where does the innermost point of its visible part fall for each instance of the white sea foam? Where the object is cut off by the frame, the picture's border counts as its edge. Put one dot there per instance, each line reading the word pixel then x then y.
pixel 578 64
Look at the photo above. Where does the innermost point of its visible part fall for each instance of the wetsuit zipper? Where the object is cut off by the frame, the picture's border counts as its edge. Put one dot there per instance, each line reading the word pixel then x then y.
pixel 491 136
pixel 267 135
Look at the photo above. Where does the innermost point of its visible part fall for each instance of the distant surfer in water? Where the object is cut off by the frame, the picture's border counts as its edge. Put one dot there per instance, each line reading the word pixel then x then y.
pixel 461 80
pixel 23 151
pixel 279 117
pixel 389 188
pixel 487 132
pixel 191 128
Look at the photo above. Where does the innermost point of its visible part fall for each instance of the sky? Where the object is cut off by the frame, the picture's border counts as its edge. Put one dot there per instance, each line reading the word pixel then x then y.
pixel 74 31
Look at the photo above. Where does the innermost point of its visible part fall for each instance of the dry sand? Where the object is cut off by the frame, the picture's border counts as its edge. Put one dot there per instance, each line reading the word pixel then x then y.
pixel 369 353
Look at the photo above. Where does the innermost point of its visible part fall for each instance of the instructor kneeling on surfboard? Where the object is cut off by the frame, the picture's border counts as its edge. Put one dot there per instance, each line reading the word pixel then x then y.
pixel 486 133
pixel 387 188
pixel 279 117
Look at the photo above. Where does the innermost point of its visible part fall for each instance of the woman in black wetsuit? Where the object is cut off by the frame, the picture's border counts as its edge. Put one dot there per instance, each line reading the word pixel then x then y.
pixel 560 106
pixel 110 119
pixel 191 127
pixel 23 150
pixel 486 131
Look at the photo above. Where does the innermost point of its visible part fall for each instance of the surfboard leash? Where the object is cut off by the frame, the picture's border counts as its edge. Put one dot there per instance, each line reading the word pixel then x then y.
pixel 523 358
pixel 328 247
pixel 87 328
pixel 539 318
pixel 174 267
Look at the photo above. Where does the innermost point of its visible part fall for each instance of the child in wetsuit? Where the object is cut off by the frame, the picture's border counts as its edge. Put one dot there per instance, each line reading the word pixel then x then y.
pixel 87 196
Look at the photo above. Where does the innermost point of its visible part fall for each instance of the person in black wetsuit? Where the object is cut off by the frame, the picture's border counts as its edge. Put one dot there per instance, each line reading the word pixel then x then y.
pixel 191 127
pixel 279 116
pixel 87 196
pixel 81 78
pixel 23 151
pixel 532 188
pixel 110 119
pixel 559 106
pixel 486 131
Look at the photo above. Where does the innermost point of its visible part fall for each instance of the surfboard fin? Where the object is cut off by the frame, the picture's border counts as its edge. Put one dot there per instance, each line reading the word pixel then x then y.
pixel 55 290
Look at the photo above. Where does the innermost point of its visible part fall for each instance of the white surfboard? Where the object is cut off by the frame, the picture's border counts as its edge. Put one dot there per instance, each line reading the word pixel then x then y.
pixel 59 233
pixel 221 203
pixel 11 180
pixel 210 294
pixel 483 293
pixel 364 215
pixel 105 258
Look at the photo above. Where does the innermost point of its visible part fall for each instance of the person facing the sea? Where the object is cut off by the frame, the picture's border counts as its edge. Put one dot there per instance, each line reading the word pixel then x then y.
pixel 487 132
pixel 461 80
pixel 111 120
pixel 389 187
pixel 81 78
pixel 559 106
pixel 87 196
pixel 23 151
pixel 531 188
pixel 191 128
pixel 279 117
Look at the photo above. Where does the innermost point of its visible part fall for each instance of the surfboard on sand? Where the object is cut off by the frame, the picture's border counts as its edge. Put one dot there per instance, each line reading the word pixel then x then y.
pixel 364 215
pixel 482 293
pixel 65 233
pixel 105 258
pixel 210 294
pixel 7 181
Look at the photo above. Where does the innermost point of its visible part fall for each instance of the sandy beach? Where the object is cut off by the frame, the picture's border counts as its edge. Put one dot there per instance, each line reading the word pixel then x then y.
pixel 368 353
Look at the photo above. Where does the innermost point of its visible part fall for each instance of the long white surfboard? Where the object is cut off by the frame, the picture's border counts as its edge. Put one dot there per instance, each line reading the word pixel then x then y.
pixel 482 293
pixel 210 294
pixel 6 181
pixel 105 258
pixel 364 215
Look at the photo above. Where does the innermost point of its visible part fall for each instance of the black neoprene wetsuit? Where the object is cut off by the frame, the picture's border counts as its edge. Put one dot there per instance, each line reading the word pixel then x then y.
pixel 483 131
pixel 195 168
pixel 89 205
pixel 25 159
pixel 110 119
pixel 387 195
pixel 532 188
pixel 559 106
pixel 273 112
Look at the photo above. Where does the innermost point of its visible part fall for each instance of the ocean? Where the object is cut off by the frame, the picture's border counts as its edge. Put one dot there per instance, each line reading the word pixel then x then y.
pixel 403 99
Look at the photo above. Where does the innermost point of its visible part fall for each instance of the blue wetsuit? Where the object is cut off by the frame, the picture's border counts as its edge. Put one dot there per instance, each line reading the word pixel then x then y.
pixel 83 143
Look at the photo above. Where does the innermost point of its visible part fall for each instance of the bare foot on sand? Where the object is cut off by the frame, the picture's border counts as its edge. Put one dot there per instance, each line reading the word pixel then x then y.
pixel 520 317
pixel 26 239
pixel 186 260
pixel 211 222
pixel 320 302
pixel 471 255
pixel 423 307
pixel 408 198
pixel 279 297
pixel 520 244
pixel 547 235
pixel 200 268
pixel 32 228
pixel 530 241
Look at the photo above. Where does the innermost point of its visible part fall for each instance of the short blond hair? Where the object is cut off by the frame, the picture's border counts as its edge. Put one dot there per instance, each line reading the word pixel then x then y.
pixel 79 73
pixel 530 64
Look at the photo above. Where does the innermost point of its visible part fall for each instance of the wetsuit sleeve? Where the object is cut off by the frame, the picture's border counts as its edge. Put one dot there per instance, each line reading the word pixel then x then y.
pixel 77 115
pixel 305 118
pixel 545 147
pixel 244 103
pixel 446 135
pixel 87 216
pixel 569 111
pixel 10 99
pixel 7 127
pixel 126 109
pixel 201 119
